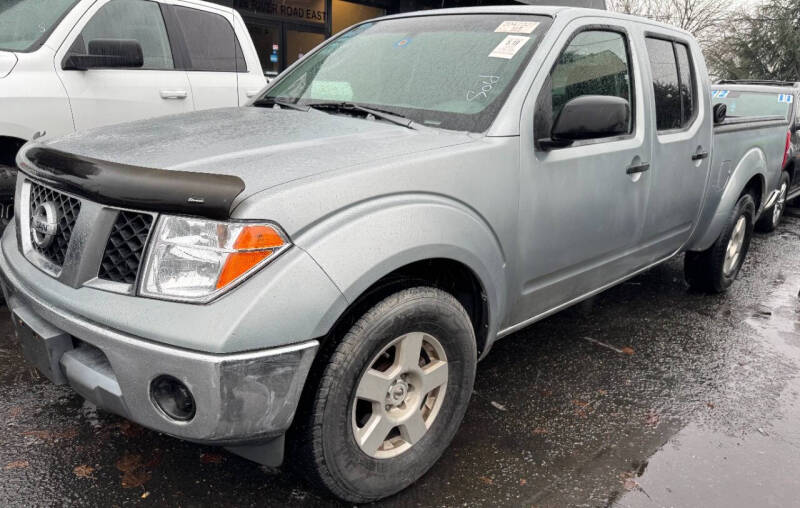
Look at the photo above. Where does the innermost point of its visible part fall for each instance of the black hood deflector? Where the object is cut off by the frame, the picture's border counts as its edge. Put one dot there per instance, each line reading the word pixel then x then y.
pixel 120 185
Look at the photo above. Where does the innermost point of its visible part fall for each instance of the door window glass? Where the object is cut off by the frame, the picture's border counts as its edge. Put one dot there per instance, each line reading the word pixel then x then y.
pixel 673 83
pixel 594 63
pixel 211 41
pixel 688 91
pixel 138 20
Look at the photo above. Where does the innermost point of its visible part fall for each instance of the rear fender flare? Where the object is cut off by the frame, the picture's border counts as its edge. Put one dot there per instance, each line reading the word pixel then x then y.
pixel 752 164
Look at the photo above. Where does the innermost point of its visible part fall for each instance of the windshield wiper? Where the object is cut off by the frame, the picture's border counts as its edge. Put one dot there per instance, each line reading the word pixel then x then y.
pixel 389 116
pixel 279 101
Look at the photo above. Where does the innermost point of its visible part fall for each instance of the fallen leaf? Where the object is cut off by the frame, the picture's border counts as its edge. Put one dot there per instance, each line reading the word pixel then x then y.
pixel 210 458
pixel 14 412
pixel 539 431
pixel 652 418
pixel 580 403
pixel 523 481
pixel 136 478
pixel 486 480
pixel 83 471
pixel 627 350
pixel 145 495
pixel 17 464
pixel 629 484
pixel 129 462
pixel 710 405
pixel 602 392
pixel 133 471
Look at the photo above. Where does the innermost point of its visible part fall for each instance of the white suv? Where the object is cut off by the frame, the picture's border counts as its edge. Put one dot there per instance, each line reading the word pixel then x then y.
pixel 70 65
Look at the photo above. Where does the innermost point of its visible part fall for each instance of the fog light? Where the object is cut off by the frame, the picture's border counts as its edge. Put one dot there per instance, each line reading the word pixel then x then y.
pixel 173 398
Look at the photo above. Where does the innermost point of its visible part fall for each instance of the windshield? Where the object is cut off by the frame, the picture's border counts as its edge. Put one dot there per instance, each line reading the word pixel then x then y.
pixel 24 23
pixel 749 104
pixel 452 72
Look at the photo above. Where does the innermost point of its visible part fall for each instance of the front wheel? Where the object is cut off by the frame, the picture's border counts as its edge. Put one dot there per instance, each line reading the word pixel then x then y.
pixel 392 396
pixel 714 270
pixel 771 217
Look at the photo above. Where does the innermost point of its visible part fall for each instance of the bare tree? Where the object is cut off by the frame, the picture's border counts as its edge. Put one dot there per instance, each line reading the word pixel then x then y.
pixel 700 17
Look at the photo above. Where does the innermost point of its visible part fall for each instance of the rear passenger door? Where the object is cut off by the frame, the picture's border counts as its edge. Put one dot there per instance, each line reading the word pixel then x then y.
pixel 211 54
pixel 582 207
pixel 682 143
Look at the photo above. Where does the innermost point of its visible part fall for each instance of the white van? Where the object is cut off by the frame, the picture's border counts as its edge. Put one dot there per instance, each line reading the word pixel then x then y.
pixel 69 65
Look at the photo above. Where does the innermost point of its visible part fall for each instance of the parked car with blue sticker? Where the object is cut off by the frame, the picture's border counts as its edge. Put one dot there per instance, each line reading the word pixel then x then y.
pixel 753 98
pixel 330 262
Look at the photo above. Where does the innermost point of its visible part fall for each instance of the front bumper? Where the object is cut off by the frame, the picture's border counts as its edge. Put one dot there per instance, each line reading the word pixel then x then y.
pixel 242 399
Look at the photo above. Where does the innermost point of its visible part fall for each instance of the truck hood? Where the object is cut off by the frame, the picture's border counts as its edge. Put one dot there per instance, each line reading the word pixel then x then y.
pixel 265 147
pixel 7 63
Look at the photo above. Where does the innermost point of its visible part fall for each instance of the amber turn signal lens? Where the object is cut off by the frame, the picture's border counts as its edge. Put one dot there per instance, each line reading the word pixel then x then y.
pixel 255 243
pixel 258 237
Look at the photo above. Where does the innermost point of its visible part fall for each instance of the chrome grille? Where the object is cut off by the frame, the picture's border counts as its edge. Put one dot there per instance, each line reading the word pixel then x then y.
pixel 125 247
pixel 67 210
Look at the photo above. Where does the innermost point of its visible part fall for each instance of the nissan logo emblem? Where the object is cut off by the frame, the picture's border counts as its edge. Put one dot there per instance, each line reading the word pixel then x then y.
pixel 44 224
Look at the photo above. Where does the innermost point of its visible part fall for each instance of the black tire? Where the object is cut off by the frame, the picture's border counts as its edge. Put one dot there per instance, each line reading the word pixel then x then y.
pixel 704 271
pixel 328 452
pixel 769 220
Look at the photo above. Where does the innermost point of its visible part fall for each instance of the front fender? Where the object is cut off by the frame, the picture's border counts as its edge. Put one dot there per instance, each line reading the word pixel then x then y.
pixel 359 245
pixel 721 199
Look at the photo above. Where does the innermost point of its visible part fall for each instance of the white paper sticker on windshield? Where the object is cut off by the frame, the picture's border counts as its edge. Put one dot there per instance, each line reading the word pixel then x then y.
pixel 509 47
pixel 517 27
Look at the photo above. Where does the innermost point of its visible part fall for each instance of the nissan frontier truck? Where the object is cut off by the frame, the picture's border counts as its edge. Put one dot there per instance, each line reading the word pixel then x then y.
pixel 330 262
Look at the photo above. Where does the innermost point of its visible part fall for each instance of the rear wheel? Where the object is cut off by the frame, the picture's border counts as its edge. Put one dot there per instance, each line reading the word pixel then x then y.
pixel 714 270
pixel 392 396
pixel 771 217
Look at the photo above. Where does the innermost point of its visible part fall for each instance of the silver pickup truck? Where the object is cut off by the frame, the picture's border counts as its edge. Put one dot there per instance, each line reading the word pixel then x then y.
pixel 332 260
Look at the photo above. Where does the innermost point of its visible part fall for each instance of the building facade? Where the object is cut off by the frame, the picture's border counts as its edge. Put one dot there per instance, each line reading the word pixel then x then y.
pixel 285 30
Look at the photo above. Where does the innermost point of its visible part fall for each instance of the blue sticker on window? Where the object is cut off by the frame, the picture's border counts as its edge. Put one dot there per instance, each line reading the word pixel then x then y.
pixel 787 98
pixel 721 94
pixel 402 43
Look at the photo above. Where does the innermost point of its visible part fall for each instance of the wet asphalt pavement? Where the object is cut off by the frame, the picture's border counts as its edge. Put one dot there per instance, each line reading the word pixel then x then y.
pixel 647 395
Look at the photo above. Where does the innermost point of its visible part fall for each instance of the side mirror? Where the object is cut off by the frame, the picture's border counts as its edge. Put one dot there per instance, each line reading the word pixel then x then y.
pixel 588 117
pixel 719 112
pixel 107 54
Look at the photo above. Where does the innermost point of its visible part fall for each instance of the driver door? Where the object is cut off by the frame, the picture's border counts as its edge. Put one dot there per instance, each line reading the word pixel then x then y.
pixel 106 96
pixel 582 207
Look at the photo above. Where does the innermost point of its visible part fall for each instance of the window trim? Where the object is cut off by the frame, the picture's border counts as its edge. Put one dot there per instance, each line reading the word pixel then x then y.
pixel 79 33
pixel 174 30
pixel 596 27
pixel 696 112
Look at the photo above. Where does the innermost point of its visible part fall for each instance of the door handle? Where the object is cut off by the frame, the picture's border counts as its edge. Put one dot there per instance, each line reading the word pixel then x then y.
pixel 638 168
pixel 174 94
pixel 699 155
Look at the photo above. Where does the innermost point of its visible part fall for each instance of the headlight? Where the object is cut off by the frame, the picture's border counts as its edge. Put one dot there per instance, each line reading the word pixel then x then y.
pixel 196 260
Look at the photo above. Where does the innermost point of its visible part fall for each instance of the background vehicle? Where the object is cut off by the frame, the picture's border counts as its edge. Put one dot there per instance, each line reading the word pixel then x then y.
pixel 335 263
pixel 70 65
pixel 759 98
